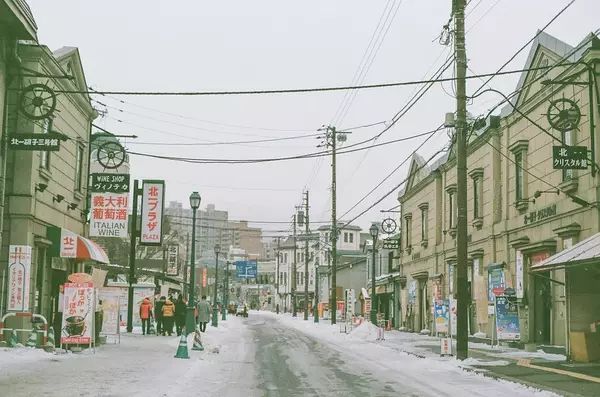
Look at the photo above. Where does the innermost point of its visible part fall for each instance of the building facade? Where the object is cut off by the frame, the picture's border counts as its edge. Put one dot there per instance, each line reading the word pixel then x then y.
pixel 520 209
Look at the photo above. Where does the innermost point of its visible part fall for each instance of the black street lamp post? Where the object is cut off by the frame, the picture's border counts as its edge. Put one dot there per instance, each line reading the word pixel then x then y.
pixel 190 321
pixel 225 294
pixel 215 313
pixel 374 231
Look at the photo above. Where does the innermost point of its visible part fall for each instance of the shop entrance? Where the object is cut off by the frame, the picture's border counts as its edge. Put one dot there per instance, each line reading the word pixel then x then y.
pixel 542 303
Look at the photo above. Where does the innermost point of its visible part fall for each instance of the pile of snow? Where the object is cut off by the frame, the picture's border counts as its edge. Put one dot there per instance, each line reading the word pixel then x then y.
pixel 425 331
pixel 482 363
pixel 365 331
pixel 480 335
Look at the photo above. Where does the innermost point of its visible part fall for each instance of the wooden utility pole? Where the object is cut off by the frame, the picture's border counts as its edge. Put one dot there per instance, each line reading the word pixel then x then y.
pixel 306 231
pixel 294 314
pixel 462 299
pixel 331 135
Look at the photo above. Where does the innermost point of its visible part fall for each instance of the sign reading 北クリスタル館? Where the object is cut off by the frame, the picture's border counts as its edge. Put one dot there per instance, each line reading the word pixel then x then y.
pixel 153 196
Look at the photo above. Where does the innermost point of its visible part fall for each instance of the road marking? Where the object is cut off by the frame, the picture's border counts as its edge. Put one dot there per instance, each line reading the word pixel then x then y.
pixel 527 363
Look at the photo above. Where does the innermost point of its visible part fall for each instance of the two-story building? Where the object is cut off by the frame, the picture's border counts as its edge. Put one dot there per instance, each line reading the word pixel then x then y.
pixel 521 208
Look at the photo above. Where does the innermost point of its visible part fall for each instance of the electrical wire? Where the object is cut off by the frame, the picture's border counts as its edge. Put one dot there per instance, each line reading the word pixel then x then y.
pixel 225 142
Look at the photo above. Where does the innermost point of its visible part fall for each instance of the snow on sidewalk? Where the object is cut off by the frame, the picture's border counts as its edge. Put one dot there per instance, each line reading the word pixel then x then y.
pixel 396 355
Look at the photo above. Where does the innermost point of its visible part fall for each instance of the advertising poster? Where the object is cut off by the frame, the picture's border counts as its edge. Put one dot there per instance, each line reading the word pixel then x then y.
pixel 109 298
pixel 19 277
pixel 412 292
pixel 452 309
pixel 519 274
pixel 495 281
pixel 78 313
pixel 441 316
pixel 153 195
pixel 507 319
pixel 139 293
pixel 109 215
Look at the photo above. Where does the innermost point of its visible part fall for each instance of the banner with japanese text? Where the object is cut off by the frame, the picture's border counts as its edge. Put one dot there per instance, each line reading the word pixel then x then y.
pixel 78 313
pixel 109 214
pixel 68 244
pixel 19 276
pixel 173 260
pixel 153 194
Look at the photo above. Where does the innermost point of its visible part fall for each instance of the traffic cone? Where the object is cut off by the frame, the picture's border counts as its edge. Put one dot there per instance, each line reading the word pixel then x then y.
pixel 151 330
pixel 50 342
pixel 32 341
pixel 197 340
pixel 182 349
pixel 12 341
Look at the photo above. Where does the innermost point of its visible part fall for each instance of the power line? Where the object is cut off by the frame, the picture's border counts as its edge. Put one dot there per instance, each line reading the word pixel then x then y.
pixel 225 142
pixel 202 218
pixel 291 90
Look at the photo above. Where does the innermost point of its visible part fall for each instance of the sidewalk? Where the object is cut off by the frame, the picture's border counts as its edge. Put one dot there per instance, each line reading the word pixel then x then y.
pixel 537 369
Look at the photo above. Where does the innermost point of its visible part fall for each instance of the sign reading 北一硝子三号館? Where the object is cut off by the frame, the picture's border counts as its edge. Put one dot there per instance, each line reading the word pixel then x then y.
pixel 153 194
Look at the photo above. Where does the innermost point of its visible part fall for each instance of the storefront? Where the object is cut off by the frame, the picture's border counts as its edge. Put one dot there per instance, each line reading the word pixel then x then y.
pixel 581 264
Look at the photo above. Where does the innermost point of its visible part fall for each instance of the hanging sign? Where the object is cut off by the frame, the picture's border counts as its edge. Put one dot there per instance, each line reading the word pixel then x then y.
pixel 78 313
pixel 106 182
pixel 109 214
pixel 153 195
pixel 173 260
pixel 507 319
pixel 495 282
pixel 570 157
pixel 391 243
pixel 19 275
pixel 43 142
pixel 68 244
pixel 519 288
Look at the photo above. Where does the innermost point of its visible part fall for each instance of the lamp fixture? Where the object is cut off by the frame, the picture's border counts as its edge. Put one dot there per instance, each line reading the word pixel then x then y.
pixel 40 187
pixel 58 198
pixel 72 206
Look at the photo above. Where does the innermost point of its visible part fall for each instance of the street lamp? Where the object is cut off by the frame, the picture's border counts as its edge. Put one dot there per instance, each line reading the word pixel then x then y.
pixel 190 321
pixel 374 231
pixel 215 314
pixel 225 295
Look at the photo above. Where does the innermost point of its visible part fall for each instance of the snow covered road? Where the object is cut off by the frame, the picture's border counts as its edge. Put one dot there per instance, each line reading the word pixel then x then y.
pixel 264 355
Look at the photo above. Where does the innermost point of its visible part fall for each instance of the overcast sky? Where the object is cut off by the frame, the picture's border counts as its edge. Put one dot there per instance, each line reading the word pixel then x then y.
pixel 241 45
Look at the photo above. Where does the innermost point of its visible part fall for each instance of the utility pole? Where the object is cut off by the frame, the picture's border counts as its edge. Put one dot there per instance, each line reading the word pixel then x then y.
pixel 462 342
pixel 277 279
pixel 294 314
pixel 134 236
pixel 307 231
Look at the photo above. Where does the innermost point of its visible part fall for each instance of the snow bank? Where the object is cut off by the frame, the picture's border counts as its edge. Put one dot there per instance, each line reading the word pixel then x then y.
pixel 365 331
pixel 483 363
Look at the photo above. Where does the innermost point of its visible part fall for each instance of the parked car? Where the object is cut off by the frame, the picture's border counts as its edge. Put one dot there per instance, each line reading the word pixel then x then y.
pixel 241 310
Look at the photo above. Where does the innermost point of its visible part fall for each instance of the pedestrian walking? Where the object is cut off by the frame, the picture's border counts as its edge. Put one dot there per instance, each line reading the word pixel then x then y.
pixel 160 328
pixel 180 311
pixel 145 314
pixel 203 313
pixel 168 311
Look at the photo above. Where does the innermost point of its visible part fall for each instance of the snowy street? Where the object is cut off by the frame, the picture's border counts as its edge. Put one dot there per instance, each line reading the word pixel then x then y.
pixel 264 355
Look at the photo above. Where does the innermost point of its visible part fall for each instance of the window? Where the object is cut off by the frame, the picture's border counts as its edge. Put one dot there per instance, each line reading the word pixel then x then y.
pixel 519 176
pixel 285 278
pixel 79 168
pixel 424 207
pixel 390 262
pixel 285 257
pixel 345 237
pixel 407 231
pixel 476 197
pixel 351 237
pixel 44 155
pixel 477 177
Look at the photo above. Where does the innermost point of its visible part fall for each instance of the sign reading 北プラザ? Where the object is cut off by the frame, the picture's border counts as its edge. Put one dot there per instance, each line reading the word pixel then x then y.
pixel 153 194
pixel 19 274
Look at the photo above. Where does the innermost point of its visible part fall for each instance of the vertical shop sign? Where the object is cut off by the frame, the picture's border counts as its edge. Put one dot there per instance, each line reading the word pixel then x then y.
pixel 78 313
pixel 519 290
pixel 173 260
pixel 68 244
pixel 19 276
pixel 496 283
pixel 109 214
pixel 153 194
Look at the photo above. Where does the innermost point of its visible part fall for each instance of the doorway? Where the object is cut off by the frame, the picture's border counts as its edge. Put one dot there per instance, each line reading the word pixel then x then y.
pixel 542 309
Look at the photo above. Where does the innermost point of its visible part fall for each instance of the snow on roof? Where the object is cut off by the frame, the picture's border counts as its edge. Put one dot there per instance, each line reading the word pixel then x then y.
pixel 586 250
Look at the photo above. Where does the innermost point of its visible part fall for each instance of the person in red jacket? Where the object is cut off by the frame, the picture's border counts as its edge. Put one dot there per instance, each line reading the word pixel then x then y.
pixel 145 314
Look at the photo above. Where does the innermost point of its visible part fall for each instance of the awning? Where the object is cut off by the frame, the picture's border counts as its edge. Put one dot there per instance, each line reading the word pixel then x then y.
pixel 66 244
pixel 584 252
pixel 364 293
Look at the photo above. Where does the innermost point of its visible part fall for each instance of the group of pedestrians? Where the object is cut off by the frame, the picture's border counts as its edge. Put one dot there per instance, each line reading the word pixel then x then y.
pixel 169 312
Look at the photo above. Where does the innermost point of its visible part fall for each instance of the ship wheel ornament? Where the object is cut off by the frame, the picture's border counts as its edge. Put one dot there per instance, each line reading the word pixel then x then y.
pixel 37 101
pixel 110 155
pixel 563 114
pixel 389 225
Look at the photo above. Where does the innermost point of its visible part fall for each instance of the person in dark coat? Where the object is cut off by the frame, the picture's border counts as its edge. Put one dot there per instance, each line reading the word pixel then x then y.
pixel 168 311
pixel 180 312
pixel 203 313
pixel 160 329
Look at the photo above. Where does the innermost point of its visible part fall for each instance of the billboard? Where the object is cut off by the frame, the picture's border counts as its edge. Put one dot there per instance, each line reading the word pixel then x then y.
pixel 19 277
pixel 153 196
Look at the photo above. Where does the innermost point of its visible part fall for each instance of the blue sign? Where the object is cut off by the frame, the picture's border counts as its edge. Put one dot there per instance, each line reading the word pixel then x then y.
pixel 507 319
pixel 246 269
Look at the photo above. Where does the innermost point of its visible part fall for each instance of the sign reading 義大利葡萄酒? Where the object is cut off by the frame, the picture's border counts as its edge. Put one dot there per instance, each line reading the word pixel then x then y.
pixel 19 274
pixel 109 214
pixel 153 194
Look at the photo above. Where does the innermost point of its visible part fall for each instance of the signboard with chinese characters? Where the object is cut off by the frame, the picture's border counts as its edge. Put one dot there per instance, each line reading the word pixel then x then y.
pixel 78 313
pixel 391 243
pixel 113 183
pixel 173 260
pixel 204 277
pixel 109 214
pixel 43 142
pixel 19 274
pixel 519 288
pixel 68 244
pixel 570 157
pixel 153 194
pixel 539 215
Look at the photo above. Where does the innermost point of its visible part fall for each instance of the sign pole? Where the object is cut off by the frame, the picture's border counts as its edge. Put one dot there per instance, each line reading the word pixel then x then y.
pixel 133 236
